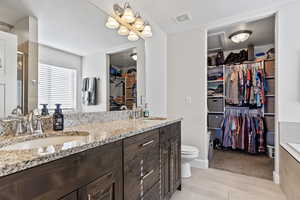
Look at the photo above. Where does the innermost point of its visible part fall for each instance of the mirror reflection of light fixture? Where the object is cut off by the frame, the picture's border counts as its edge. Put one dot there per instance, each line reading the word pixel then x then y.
pixel 240 36
pixel 112 23
pixel 134 56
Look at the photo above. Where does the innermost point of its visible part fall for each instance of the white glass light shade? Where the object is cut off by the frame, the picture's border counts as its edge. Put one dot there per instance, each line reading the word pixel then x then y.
pixel 134 56
pixel 147 32
pixel 133 36
pixel 123 30
pixel 240 36
pixel 112 23
pixel 139 24
pixel 128 15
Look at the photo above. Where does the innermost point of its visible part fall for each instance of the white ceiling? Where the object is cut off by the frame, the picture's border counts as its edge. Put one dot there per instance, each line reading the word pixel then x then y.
pixel 263 33
pixel 123 59
pixel 77 26
pixel 202 12
pixel 71 25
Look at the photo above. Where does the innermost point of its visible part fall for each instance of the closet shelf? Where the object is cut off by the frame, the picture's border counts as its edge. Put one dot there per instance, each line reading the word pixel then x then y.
pixel 219 96
pixel 270 95
pixel 215 112
pixel 209 128
pixel 272 114
pixel 216 81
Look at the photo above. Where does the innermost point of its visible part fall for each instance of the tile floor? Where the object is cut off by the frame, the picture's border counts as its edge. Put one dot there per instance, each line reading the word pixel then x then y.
pixel 212 184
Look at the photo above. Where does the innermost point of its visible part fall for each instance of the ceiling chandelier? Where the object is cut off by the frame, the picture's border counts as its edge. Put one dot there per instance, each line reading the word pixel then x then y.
pixel 240 36
pixel 128 23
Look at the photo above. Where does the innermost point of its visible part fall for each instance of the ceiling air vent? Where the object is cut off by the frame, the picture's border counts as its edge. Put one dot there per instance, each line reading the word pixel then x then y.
pixel 183 18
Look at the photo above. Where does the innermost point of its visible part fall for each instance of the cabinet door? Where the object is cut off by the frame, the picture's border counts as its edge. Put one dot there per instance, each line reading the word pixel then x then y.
pixel 175 166
pixel 72 196
pixel 101 189
pixel 165 170
pixel 170 144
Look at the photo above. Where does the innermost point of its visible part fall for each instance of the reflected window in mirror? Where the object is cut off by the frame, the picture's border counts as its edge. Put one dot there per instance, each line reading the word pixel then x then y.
pixel 57 85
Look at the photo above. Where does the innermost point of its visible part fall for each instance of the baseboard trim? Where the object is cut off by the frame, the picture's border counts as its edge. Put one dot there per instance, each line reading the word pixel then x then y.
pixel 276 177
pixel 202 164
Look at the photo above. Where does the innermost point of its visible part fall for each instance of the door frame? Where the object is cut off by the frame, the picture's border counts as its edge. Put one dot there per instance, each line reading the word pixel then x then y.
pixel 242 19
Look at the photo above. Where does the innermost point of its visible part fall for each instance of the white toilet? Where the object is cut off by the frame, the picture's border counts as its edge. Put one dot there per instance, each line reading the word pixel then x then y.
pixel 188 154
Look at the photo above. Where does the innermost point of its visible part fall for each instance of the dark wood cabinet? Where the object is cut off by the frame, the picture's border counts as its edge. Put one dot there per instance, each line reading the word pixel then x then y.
pixel 141 164
pixel 170 145
pixel 142 167
pixel 104 188
pixel 54 180
pixel 72 196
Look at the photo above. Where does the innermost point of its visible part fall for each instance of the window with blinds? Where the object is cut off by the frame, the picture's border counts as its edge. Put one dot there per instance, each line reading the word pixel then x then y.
pixel 57 85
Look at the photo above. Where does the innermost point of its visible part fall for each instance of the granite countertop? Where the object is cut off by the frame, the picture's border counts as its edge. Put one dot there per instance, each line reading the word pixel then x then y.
pixel 91 135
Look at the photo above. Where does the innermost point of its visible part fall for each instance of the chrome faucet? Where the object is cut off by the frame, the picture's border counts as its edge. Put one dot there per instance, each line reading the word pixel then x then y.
pixel 29 124
pixel 34 122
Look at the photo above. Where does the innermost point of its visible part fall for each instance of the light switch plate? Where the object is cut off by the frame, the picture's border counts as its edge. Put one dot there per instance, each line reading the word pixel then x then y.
pixel 188 100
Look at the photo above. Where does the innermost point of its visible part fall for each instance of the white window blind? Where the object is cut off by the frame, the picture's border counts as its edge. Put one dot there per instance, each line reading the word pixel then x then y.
pixel 57 85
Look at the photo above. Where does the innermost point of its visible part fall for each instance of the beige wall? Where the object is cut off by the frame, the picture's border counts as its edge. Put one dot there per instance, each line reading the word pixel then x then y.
pixel 186 86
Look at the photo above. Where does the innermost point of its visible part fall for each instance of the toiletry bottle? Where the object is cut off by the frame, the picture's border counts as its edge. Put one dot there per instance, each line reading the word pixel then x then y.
pixel 58 119
pixel 146 111
pixel 45 111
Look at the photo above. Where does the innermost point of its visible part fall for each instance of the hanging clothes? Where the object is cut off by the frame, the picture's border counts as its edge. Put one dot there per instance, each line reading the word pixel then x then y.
pixel 243 129
pixel 245 85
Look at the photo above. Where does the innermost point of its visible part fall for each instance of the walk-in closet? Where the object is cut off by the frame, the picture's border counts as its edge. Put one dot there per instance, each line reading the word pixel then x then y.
pixel 241 97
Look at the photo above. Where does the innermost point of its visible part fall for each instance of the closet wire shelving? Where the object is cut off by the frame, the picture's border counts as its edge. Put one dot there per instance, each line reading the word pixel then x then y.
pixel 271 115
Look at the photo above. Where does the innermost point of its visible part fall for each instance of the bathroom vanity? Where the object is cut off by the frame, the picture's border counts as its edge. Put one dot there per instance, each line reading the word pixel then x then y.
pixel 139 161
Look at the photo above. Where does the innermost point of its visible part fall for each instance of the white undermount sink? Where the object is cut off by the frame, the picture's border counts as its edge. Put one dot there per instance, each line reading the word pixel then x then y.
pixel 46 142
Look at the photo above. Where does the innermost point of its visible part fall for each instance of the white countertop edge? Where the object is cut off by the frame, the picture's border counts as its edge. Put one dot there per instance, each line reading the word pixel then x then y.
pixel 292 151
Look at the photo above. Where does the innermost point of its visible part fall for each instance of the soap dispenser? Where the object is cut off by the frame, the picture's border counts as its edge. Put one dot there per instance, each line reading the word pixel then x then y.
pixel 45 110
pixel 58 119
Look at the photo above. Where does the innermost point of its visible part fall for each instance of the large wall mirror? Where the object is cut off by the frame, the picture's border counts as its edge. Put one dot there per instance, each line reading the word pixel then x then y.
pixel 60 52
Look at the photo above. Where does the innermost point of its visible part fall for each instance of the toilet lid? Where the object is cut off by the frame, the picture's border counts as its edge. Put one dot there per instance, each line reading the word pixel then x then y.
pixel 185 149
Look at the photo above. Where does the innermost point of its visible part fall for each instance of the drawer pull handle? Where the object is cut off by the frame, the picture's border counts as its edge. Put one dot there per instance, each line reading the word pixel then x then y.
pixel 148 174
pixel 147 143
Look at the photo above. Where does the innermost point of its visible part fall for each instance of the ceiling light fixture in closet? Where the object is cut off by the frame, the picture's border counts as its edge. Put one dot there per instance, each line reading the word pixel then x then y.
pixel 240 36
pixel 130 24
pixel 134 56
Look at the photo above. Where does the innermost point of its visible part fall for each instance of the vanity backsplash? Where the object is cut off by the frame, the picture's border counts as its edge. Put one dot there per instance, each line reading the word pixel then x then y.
pixel 73 119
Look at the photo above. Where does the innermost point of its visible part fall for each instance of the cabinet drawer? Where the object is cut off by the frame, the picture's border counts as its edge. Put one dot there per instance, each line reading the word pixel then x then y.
pixel 141 143
pixel 153 193
pixel 141 164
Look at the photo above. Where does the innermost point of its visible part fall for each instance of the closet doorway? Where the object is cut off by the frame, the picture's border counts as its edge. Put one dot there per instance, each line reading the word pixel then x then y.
pixel 123 80
pixel 241 97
